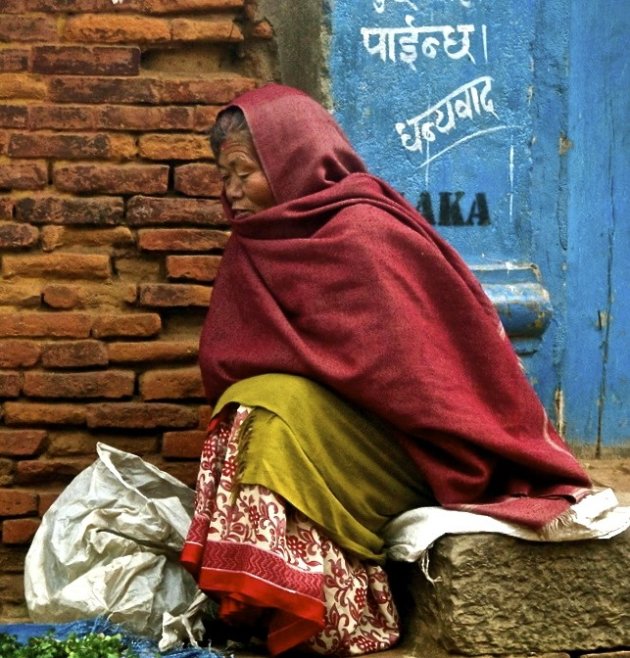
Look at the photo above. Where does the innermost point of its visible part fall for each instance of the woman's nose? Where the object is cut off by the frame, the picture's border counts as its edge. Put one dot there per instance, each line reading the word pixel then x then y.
pixel 233 188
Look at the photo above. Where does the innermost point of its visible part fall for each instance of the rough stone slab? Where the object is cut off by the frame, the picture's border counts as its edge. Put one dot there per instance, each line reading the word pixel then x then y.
pixel 498 595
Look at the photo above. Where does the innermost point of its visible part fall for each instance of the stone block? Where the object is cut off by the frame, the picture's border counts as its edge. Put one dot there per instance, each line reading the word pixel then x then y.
pixel 499 595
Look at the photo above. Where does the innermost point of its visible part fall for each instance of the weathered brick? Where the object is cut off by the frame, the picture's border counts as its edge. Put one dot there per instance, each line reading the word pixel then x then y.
pixel 181 239
pixel 13 116
pixel 135 268
pixel 111 384
pixel 11 560
pixel 54 6
pixel 198 179
pixel 15 613
pixel 95 89
pixel 130 117
pixel 17 293
pixel 23 175
pixel 64 444
pixel 17 236
pixel 116 29
pixel 205 416
pixel 61 117
pixel 21 443
pixel 262 30
pixel 45 500
pixel 174 147
pixel 106 295
pixel 18 531
pixel 54 237
pixel 172 384
pixel 111 179
pixel 158 350
pixel 175 6
pixel 85 60
pixel 11 586
pixel 205 117
pixel 196 268
pixel 218 89
pixel 18 353
pixel 69 210
pixel 185 472
pixel 13 60
pixel 58 265
pixel 7 469
pixel 128 324
pixel 97 146
pixel 59 325
pixel 10 384
pixel 183 445
pixel 76 353
pixel 144 211
pixel 60 296
pixel 21 85
pixel 6 207
pixel 40 470
pixel 32 413
pixel 150 415
pixel 165 295
pixel 71 444
pixel 17 503
pixel 217 30
pixel 27 28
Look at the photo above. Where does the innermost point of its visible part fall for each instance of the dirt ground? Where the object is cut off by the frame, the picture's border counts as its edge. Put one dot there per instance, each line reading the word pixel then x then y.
pixel 611 472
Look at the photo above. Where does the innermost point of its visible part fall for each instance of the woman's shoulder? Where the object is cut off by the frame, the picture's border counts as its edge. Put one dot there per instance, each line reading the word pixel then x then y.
pixel 364 218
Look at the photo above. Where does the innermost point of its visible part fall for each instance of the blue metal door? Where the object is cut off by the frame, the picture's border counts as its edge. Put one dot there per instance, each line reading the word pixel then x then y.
pixel 595 376
pixel 506 124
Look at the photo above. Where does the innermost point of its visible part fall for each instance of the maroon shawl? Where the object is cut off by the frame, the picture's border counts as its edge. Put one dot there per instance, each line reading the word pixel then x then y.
pixel 345 283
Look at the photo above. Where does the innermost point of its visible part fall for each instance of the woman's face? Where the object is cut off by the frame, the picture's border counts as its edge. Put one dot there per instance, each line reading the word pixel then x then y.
pixel 246 187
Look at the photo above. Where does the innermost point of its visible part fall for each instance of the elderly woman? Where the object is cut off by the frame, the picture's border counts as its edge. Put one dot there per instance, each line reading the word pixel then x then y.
pixel 357 370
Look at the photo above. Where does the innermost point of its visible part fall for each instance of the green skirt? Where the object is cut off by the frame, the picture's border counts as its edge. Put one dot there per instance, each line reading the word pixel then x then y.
pixel 341 468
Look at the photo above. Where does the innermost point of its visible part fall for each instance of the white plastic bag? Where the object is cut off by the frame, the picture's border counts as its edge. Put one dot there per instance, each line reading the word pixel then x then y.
pixel 109 546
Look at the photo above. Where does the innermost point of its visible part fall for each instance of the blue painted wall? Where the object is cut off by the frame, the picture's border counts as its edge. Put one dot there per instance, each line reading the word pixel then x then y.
pixel 506 124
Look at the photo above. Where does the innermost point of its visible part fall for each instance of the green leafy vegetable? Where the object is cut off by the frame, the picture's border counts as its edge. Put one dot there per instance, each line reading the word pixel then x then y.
pixel 92 645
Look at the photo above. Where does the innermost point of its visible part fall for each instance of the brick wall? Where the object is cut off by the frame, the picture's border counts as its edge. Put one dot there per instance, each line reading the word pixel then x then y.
pixel 110 236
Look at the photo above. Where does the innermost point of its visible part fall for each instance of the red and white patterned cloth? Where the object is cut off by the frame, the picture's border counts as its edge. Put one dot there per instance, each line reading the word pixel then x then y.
pixel 267 564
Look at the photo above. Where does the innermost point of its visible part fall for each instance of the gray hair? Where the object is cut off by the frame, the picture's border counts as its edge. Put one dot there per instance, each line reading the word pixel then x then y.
pixel 230 121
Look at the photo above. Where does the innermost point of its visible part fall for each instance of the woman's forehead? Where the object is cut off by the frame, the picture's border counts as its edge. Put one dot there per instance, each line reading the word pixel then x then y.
pixel 238 146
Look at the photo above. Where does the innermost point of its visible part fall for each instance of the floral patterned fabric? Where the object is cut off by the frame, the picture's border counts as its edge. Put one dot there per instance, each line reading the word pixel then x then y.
pixel 271 568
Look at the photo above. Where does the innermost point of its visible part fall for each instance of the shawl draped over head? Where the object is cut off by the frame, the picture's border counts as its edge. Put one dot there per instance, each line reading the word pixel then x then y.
pixel 343 282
